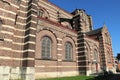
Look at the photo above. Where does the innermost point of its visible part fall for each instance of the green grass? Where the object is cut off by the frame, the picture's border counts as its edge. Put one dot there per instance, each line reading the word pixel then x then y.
pixel 72 78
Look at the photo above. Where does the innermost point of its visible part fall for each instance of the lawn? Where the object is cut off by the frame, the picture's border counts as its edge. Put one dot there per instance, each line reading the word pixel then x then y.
pixel 72 78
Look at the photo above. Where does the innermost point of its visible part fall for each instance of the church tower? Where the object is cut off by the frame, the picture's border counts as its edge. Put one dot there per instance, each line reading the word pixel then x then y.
pixel 82 22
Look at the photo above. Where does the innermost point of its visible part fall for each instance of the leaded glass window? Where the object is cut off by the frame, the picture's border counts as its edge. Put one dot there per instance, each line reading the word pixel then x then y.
pixel 68 51
pixel 95 55
pixel 46 48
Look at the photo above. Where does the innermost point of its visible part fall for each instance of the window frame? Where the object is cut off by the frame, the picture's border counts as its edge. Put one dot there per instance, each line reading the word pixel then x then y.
pixel 95 55
pixel 87 54
pixel 46 52
pixel 1 22
pixel 108 57
pixel 68 51
pixel 40 13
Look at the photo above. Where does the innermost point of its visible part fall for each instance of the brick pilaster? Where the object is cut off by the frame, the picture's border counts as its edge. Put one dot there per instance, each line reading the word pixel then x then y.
pixel 82 63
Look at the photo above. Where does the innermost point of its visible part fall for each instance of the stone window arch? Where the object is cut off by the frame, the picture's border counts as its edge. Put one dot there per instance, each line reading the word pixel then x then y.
pixel 46 44
pixel 42 12
pixel 68 51
pixel 5 2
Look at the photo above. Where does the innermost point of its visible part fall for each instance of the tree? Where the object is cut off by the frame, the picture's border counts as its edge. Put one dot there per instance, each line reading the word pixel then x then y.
pixel 118 56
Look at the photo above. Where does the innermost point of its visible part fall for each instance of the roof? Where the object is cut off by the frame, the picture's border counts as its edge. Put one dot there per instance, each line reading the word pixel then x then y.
pixel 94 31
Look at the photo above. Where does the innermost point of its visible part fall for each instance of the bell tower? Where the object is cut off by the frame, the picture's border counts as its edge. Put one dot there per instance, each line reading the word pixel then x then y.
pixel 81 21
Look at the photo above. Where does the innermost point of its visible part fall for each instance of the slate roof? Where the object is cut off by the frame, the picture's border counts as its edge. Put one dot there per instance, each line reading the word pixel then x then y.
pixel 94 31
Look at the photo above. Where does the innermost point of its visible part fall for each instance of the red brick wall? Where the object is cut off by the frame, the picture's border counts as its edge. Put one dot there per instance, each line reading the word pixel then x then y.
pixel 59 37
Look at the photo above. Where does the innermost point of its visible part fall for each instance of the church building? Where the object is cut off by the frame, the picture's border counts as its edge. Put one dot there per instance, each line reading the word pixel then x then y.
pixel 40 40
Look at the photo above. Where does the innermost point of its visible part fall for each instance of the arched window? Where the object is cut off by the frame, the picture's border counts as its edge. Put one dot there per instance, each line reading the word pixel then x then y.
pixel 46 45
pixel 107 40
pixel 109 57
pixel 87 53
pixel 95 55
pixel 40 13
pixel 68 51
pixel 1 22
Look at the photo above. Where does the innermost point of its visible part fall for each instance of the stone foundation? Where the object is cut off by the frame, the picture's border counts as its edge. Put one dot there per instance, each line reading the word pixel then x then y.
pixel 4 73
pixel 88 72
pixel 55 74
pixel 7 73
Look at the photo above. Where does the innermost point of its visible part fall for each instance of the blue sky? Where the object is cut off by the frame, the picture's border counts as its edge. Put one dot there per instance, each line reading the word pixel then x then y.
pixel 102 11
